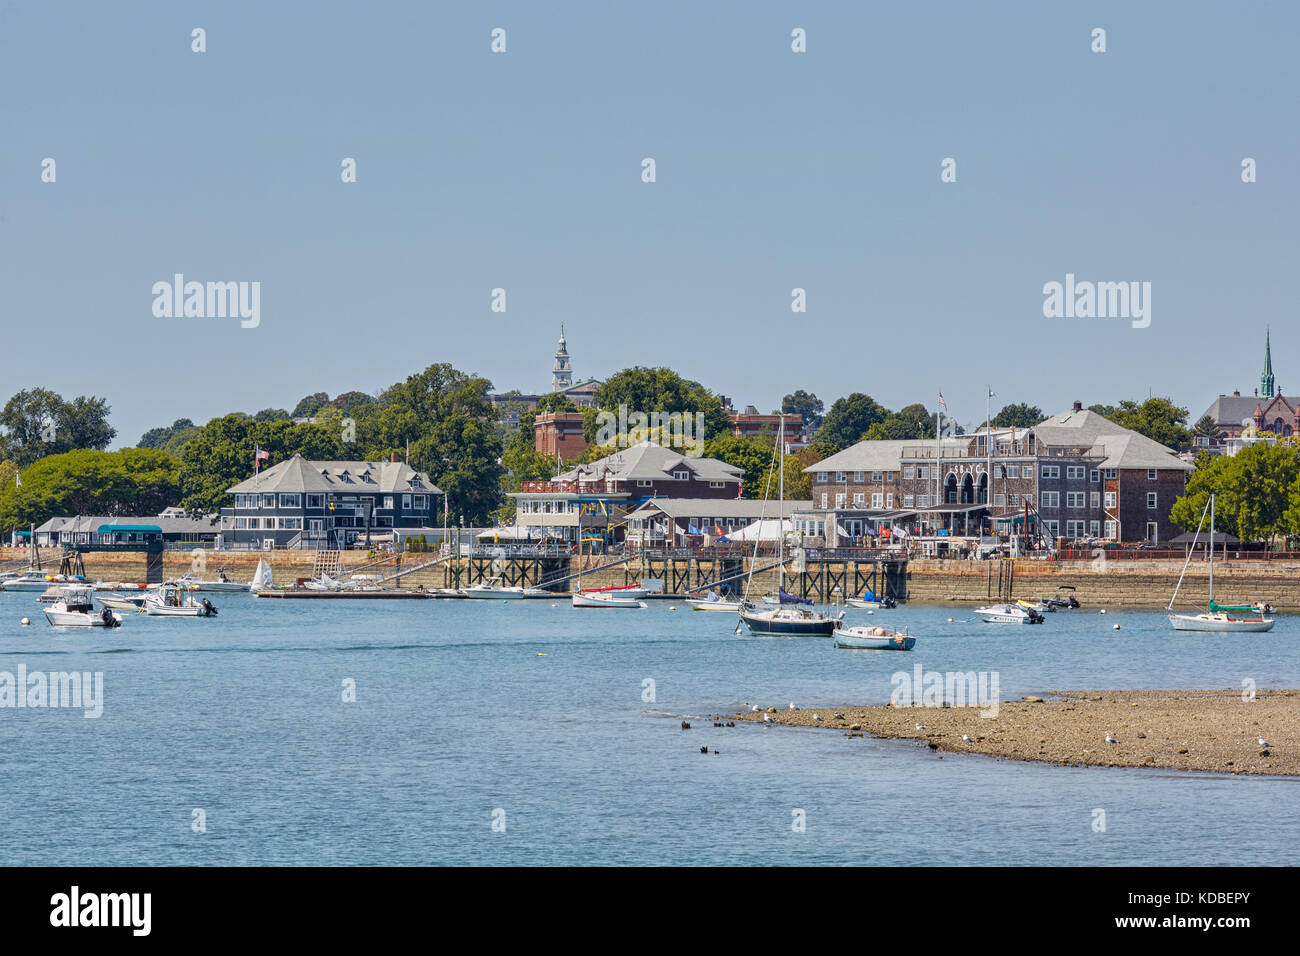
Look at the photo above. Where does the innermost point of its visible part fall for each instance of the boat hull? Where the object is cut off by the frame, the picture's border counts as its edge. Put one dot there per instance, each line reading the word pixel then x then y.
pixel 79 619
pixel 858 639
pixel 1219 623
pixel 588 600
pixel 730 607
pixel 1004 614
pixel 783 621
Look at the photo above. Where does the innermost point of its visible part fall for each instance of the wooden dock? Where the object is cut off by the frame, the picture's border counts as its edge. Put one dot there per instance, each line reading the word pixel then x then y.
pixel 383 594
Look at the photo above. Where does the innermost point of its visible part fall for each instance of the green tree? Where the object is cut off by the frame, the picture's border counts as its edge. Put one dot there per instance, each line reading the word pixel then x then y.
pixel 38 422
pixel 1257 492
pixel 1020 415
pixel 806 404
pixel 752 455
pixel 849 420
pixel 1207 428
pixel 908 423
pixel 309 405
pixel 134 481
pixel 651 390
pixel 271 415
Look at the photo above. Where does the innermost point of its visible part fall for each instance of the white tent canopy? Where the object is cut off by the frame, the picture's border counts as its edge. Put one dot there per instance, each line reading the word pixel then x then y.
pixel 511 532
pixel 765 529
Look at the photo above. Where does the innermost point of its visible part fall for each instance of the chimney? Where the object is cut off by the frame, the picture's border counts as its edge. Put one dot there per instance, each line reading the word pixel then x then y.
pixel 1078 406
pixel 1236 393
pixel 394 457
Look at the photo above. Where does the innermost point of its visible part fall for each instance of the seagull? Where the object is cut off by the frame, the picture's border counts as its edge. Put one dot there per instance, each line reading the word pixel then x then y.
pixel 754 709
pixel 1264 743
pixel 792 706
pixel 966 737
pixel 817 718
pixel 922 727
pixel 767 719
pixel 1110 739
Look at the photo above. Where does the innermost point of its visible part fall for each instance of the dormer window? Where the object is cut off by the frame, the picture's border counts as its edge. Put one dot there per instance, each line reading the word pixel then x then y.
pixel 682 475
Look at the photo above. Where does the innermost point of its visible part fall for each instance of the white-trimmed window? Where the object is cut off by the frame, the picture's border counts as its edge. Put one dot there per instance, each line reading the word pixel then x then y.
pixel 647 483
pixel 1075 499
pixel 909 501
pixel 1112 530
pixel 1094 499
pixel 268 501
pixel 923 472
pixel 1151 499
pixel 317 501
pixel 999 501
pixel 1094 475
pixel 841 477
pixel 839 500
pixel 1053 528
pixel 877 501
pixel 291 524
pixel 858 499
pixel 1109 498
pixel 717 484
pixel 1050 471
pixel 291 501
pixel 406 502
pixel 876 477
pixel 923 501
pixel 421 502
pixel 1013 471
pixel 889 500
pixel 1075 471
pixel 857 476
pixel 1110 474
pixel 909 472
pixel 1074 529
pixel 1050 499
pixel 388 503
pixel 1094 528
pixel 1152 474
pixel 681 475
pixel 823 499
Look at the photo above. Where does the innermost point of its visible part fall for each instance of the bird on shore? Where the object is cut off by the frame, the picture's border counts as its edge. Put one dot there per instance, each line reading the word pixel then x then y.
pixel 754 709
pixel 767 719
pixel 922 727
pixel 792 706
pixel 1264 743
pixel 966 737
pixel 817 718
pixel 1110 739
pixel 838 715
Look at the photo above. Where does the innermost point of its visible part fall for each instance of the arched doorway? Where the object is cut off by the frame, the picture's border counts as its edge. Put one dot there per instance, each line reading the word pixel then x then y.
pixel 967 490
pixel 984 490
pixel 950 489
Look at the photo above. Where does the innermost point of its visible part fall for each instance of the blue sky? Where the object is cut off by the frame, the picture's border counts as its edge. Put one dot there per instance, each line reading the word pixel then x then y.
pixel 775 170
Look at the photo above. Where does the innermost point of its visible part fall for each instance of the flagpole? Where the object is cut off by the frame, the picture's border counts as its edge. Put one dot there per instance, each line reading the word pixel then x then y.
pixel 938 487
pixel 988 450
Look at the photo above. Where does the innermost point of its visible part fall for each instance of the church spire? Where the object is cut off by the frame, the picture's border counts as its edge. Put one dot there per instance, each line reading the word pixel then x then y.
pixel 561 371
pixel 1266 379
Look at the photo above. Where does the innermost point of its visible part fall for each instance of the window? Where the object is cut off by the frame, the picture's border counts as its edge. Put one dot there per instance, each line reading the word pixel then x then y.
pixel 1000 471
pixel 318 501
pixel 291 524
pixel 877 476
pixel 857 476
pixel 421 502
pixel 821 476
pixel 1110 499
pixel 1074 499
pixel 999 501
pixel 1110 474
pixel 923 472
pixel 1014 502
pixel 647 483
pixel 255 523
pixel 1094 475
pixel 388 502
pixel 406 502
pixel 923 501
pixel 858 499
pixel 1094 499
pixel 839 501
pixel 1013 471
pixel 823 499
pixel 1094 528
pixel 268 501
pixel 909 472
pixel 681 475
pixel 877 501
pixel 1112 529
pixel 241 524
pixel 1051 471
pixel 1151 474
pixel 291 501
pixel 1053 528
pixel 1151 499
pixel 1074 529
pixel 1051 499
pixel 1074 471
pixel 1029 500
pixel 840 477
pixel 909 501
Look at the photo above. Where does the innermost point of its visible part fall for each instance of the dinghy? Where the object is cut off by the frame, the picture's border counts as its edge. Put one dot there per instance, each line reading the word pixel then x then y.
pixel 861 637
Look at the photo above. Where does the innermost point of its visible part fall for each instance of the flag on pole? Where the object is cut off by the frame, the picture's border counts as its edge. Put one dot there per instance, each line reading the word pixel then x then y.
pixel 18 478
pixel 991 395
pixel 942 403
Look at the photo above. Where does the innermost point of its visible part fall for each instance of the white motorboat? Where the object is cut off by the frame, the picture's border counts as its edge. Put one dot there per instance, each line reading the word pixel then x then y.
pixel 491 590
pixel 869 601
pixel 31 580
pixel 77 609
pixel 172 601
pixel 122 602
pixel 1218 619
pixel 222 583
pixel 589 599
pixel 862 637
pixel 1008 614
pixel 713 603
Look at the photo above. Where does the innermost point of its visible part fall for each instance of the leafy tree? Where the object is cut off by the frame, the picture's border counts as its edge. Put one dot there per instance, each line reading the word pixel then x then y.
pixel 1213 474
pixel 753 455
pixel 38 422
pixel 1157 418
pixel 1257 492
pixel 309 405
pixel 849 420
pixel 134 481
pixel 806 404
pixel 651 390
pixel 271 415
pixel 349 402
pixel 910 422
pixel 1020 415
pixel 158 437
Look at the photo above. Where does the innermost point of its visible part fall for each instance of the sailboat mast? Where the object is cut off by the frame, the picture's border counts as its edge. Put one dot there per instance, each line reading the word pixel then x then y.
pixel 1211 550
pixel 780 512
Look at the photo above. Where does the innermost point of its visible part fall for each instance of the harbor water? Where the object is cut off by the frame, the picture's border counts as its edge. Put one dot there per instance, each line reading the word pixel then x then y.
pixel 528 732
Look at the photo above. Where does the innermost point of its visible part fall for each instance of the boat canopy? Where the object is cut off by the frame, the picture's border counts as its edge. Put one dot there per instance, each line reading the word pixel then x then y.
pixel 788 598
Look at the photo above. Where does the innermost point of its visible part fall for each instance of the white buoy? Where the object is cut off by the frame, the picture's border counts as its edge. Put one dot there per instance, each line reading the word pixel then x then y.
pixel 871 612
pixel 25 621
pixel 672 607
pixel 949 620
pixel 1115 627
pixel 1102 611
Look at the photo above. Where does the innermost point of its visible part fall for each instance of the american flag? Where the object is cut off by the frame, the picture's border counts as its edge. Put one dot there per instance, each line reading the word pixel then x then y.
pixel 942 403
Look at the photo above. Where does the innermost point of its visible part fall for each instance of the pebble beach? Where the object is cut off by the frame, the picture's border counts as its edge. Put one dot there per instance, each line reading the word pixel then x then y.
pixel 1203 730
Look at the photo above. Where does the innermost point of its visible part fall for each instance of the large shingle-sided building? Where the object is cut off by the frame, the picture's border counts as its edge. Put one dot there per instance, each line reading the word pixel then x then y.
pixel 1079 475
pixel 327 504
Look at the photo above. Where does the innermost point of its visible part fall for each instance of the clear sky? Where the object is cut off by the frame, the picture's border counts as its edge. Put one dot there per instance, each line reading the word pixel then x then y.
pixel 522 170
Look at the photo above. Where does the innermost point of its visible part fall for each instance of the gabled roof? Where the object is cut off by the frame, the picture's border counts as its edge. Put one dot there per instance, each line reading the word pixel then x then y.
pixel 1123 447
pixel 297 474
pixel 747 508
pixel 1230 411
pixel 648 461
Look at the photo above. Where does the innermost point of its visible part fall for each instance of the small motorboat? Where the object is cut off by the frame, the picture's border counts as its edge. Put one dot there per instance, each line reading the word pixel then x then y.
pixel 869 601
pixel 222 583
pixel 77 609
pixel 713 603
pixel 31 580
pixel 173 601
pixel 491 590
pixel 122 602
pixel 1008 614
pixel 793 617
pixel 597 599
pixel 861 637
pixel 1063 600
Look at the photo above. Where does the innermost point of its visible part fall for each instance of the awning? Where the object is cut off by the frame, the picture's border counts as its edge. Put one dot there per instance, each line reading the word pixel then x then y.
pixel 1016 519
pixel 128 528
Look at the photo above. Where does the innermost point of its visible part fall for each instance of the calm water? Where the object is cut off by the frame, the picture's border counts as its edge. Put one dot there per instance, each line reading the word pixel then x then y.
pixel 457 715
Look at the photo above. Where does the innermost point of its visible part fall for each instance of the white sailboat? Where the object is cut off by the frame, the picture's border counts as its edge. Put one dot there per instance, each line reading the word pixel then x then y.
pixel 791 616
pixel 1217 619
pixel 261 577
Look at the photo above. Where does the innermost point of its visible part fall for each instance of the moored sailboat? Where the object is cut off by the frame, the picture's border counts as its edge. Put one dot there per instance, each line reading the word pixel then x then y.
pixel 1219 618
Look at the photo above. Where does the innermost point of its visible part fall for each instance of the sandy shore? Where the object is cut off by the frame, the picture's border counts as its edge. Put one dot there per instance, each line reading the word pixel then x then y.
pixel 1208 730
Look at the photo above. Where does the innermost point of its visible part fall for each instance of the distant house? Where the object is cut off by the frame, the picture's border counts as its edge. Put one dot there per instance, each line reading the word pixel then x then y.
pixel 172 528
pixel 683 522
pixel 327 504
pixel 607 491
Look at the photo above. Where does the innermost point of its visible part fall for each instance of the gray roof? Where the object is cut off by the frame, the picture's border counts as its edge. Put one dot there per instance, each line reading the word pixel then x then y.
pixel 885 454
pixel 1230 411
pixel 748 508
pixel 1123 447
pixel 649 461
pixel 300 475
pixel 169 523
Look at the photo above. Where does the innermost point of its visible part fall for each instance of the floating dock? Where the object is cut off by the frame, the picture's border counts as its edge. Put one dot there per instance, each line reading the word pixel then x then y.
pixel 383 594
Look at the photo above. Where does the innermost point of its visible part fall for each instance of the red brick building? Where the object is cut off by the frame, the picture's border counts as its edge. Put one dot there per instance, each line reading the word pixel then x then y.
pixel 559 433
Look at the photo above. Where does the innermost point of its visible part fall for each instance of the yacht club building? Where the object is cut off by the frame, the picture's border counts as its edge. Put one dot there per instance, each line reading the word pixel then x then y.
pixel 327 504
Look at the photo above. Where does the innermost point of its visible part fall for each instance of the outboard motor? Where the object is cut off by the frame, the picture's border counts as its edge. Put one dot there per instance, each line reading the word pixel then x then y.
pixel 208 609
pixel 109 620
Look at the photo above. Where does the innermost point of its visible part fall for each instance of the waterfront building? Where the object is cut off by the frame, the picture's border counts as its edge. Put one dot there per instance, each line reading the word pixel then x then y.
pixel 604 493
pixel 328 504
pixel 1075 476
pixel 699 522
pixel 170 529
pixel 751 424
